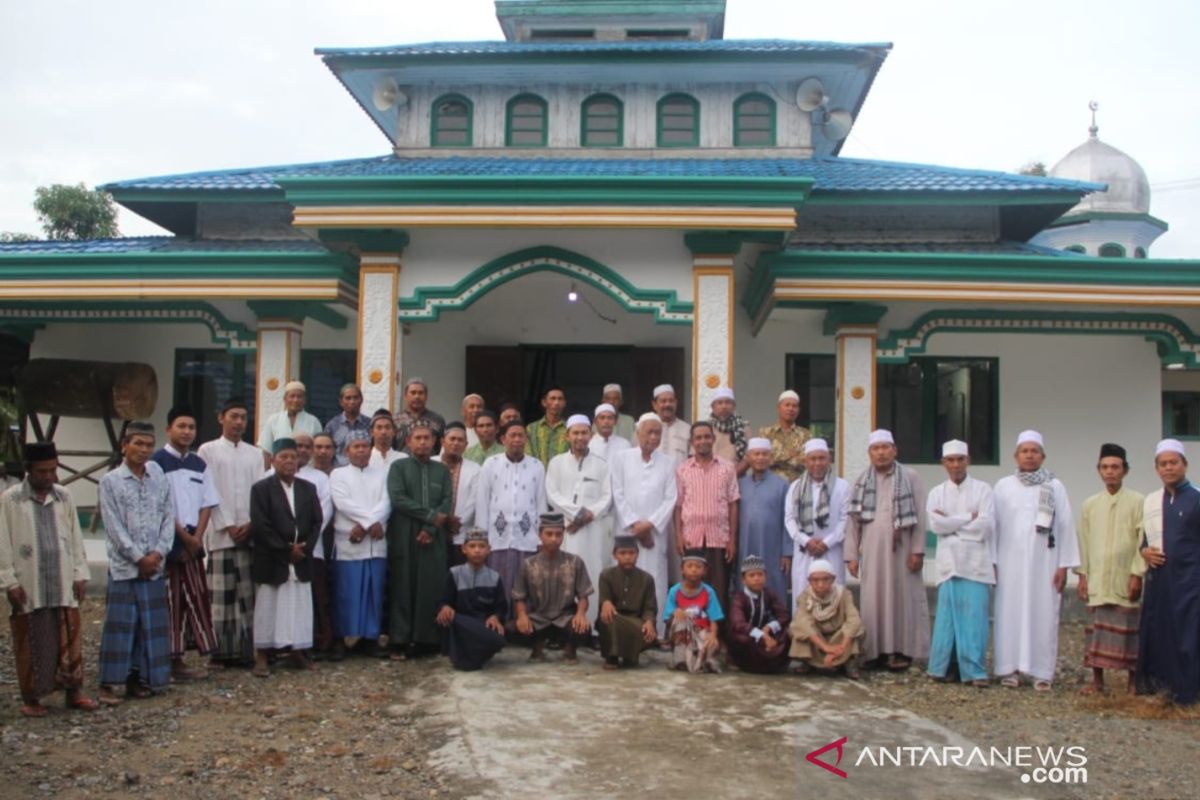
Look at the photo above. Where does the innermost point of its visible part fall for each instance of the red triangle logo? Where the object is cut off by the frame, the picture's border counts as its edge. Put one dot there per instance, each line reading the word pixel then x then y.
pixel 815 757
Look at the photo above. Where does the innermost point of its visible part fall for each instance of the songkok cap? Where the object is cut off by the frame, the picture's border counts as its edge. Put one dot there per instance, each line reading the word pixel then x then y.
pixel 613 387
pixel 180 411
pixel 357 435
pixel 551 520
pixel 234 402
pixel 694 555
pixel 758 443
pixel 751 563
pixel 880 436
pixel 578 419
pixel 143 428
pixel 381 413
pixel 1112 450
pixel 286 443
pixel 823 566
pixel 649 416
pixel 1030 437
pixel 816 446
pixel 604 408
pixel 955 447
pixel 1169 446
pixel 723 393
pixel 294 386
pixel 455 425
pixel 39 451
pixel 625 542
pixel 663 388
pixel 475 535
pixel 788 394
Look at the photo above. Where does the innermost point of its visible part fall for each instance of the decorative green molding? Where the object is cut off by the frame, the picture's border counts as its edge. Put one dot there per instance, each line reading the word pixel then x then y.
pixel 298 311
pixel 179 264
pixel 1177 343
pixel 851 314
pixel 506 190
pixel 234 336
pixel 365 240
pixel 427 303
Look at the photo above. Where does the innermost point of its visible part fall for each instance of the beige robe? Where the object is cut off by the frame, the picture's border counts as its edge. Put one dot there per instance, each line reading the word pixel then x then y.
pixel 895 611
pixel 844 624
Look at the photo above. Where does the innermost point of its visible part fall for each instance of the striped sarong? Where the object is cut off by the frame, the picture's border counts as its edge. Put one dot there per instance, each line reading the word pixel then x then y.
pixel 1111 637
pixel 232 591
pixel 137 632
pixel 190 606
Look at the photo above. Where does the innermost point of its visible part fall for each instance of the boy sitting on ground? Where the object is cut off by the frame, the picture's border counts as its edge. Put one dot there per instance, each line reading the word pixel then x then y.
pixel 628 607
pixel 692 614
pixel 758 622
pixel 473 606
pixel 827 631
pixel 551 594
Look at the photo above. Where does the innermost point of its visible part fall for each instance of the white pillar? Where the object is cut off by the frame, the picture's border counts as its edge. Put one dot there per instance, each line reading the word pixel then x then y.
pixel 712 329
pixel 379 339
pixel 855 396
pixel 278 362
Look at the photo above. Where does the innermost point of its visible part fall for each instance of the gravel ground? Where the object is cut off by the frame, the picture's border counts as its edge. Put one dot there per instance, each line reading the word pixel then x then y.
pixel 349 730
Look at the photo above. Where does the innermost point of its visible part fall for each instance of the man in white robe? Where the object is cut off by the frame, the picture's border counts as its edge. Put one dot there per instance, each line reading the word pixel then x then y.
pixel 235 467
pixel 819 528
pixel 961 515
pixel 360 518
pixel 605 442
pixel 578 487
pixel 1035 546
pixel 644 493
pixel 509 500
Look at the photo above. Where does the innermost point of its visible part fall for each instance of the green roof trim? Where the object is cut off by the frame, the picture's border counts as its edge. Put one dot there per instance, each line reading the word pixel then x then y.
pixel 1176 342
pixel 298 311
pixel 951 267
pixel 503 190
pixel 233 336
pixel 177 264
pixel 427 302
pixel 1107 216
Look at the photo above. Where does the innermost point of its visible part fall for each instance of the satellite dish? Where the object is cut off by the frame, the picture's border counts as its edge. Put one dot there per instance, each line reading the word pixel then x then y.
pixel 810 95
pixel 387 94
pixel 836 124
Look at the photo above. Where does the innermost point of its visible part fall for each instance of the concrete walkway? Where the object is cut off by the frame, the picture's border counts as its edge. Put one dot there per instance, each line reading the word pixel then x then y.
pixel 548 730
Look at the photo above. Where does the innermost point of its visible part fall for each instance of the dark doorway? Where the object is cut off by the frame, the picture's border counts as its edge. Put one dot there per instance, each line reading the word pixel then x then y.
pixel 518 374
pixel 14 354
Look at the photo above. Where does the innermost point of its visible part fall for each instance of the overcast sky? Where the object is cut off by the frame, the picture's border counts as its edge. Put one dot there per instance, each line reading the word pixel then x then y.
pixel 99 91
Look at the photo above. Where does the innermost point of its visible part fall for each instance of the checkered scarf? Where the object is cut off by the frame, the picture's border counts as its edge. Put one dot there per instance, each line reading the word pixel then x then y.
pixel 735 426
pixel 1041 478
pixel 812 516
pixel 904 505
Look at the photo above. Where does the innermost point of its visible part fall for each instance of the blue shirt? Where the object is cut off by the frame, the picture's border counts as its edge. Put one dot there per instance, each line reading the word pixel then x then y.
pixel 340 429
pixel 712 612
pixel 138 518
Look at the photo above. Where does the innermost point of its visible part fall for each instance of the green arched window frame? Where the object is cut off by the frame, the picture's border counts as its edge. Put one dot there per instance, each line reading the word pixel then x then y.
pixel 1139 252
pixel 451 121
pixel 678 121
pixel 754 121
pixel 526 121
pixel 1111 250
pixel 1076 248
pixel 602 121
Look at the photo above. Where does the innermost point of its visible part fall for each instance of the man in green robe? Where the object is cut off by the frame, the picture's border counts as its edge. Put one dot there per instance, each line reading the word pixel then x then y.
pixel 419 531
pixel 628 607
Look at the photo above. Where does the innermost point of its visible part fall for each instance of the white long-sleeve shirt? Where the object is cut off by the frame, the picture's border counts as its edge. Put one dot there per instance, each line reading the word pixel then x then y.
pixel 235 467
pixel 465 496
pixel 966 547
pixel 359 498
pixel 643 489
pixel 510 497
pixel 833 534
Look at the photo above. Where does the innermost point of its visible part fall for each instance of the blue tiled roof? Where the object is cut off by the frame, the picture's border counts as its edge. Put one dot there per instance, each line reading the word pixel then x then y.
pixel 160 244
pixel 782 46
pixel 830 173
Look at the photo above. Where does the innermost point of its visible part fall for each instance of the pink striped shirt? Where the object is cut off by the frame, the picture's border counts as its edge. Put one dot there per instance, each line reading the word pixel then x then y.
pixel 705 493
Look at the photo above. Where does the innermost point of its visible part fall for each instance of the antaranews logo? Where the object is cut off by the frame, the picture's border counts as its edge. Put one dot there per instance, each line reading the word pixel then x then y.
pixel 1039 765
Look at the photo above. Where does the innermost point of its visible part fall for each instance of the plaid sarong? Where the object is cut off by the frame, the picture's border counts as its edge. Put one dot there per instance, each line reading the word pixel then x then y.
pixel 190 608
pixel 1111 637
pixel 232 603
pixel 904 505
pixel 812 517
pixel 136 638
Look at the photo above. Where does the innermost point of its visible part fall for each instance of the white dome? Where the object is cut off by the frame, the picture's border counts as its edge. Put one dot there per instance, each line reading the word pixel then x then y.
pixel 1128 190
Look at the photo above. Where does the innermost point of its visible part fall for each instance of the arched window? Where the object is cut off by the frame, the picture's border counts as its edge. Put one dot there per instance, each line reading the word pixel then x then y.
pixel 525 124
pixel 678 121
pixel 1075 248
pixel 602 122
pixel 754 121
pixel 450 124
pixel 1139 252
pixel 1111 250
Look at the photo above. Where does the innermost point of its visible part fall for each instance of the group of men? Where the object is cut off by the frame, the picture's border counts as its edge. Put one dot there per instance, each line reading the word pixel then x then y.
pixel 399 535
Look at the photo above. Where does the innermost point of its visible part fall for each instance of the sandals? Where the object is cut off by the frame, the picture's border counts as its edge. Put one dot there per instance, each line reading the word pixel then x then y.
pixel 1041 686
pixel 83 703
pixel 981 683
pixel 899 664
pixel 1010 681
pixel 34 710
pixel 109 699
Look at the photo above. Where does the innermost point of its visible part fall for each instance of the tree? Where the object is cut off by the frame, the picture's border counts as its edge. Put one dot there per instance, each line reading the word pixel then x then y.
pixel 1034 168
pixel 7 237
pixel 75 212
